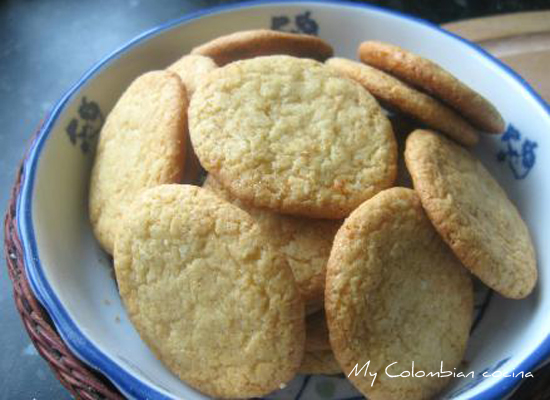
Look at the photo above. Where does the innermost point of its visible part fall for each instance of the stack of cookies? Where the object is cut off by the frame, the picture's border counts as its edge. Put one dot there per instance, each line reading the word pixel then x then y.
pixel 298 253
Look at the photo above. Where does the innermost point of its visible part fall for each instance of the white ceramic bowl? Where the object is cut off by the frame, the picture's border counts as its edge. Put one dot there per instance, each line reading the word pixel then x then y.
pixel 73 279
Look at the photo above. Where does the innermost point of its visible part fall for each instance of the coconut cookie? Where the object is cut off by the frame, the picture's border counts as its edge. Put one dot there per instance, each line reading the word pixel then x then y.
pixel 304 242
pixel 429 76
pixel 208 294
pixel 191 68
pixel 472 213
pixel 319 362
pixel 290 135
pixel 262 42
pixel 409 101
pixel 395 293
pixel 141 145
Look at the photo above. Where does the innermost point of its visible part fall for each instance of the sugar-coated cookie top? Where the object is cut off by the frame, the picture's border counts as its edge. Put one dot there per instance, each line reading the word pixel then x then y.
pixel 208 294
pixel 304 242
pixel 396 294
pixel 291 135
pixel 472 213
pixel 142 144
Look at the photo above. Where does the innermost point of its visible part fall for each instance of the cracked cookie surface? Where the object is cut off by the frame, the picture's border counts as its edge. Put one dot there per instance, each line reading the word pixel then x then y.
pixel 396 293
pixel 472 213
pixel 208 294
pixel 305 243
pixel 141 145
pixel 291 135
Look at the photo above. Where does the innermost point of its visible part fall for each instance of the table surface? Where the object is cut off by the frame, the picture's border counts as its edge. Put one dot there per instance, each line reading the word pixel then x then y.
pixel 45 47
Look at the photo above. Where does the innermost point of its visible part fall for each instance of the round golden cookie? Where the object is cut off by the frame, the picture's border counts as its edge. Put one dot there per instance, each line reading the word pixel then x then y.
pixel 402 127
pixel 472 213
pixel 142 144
pixel 262 42
pixel 404 98
pixel 395 293
pixel 319 362
pixel 429 76
pixel 317 332
pixel 191 68
pixel 208 294
pixel 305 244
pixel 288 134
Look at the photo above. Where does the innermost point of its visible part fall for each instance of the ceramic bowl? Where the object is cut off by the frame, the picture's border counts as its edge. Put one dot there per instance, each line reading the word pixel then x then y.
pixel 73 277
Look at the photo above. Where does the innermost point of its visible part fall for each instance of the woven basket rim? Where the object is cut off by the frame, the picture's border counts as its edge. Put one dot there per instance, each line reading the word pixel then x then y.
pixel 82 381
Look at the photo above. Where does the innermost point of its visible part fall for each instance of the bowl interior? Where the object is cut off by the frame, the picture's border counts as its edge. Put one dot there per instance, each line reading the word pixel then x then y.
pixel 73 277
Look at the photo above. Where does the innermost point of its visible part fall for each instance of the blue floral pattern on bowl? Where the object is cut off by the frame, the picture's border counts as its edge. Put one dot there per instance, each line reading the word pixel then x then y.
pixel 84 129
pixel 518 153
pixel 300 23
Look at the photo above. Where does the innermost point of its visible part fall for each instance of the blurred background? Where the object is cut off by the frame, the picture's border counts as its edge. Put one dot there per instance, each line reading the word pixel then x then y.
pixel 45 46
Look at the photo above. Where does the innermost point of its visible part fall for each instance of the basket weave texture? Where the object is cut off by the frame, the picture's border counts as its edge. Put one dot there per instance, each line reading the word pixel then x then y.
pixel 82 381
pixel 86 383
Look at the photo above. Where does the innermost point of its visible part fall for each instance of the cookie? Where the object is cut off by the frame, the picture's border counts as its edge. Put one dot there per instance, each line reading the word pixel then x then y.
pixel 396 294
pixel 207 293
pixel 290 135
pixel 191 68
pixel 262 42
pixel 305 244
pixel 142 144
pixel 317 332
pixel 472 213
pixel 318 356
pixel 407 100
pixel 432 78
pixel 402 127
pixel 320 362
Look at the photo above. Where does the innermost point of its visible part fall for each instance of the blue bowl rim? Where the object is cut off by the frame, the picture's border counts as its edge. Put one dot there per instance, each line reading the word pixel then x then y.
pixel 71 334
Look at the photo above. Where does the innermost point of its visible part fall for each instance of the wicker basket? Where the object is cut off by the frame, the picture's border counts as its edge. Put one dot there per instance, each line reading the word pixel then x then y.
pixel 78 378
pixel 81 380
